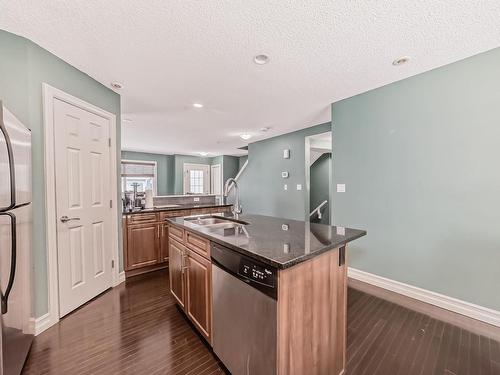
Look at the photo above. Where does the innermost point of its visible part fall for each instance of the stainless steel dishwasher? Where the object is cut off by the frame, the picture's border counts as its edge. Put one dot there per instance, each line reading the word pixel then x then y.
pixel 244 312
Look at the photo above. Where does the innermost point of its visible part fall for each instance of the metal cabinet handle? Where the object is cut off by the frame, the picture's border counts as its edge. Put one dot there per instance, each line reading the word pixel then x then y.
pixel 65 219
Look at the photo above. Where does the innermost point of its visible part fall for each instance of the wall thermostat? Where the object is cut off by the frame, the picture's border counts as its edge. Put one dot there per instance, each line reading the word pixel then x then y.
pixel 284 174
pixel 286 154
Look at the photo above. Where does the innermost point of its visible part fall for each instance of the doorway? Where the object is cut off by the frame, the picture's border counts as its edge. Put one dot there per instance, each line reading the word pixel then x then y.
pixel 318 177
pixel 196 178
pixel 216 179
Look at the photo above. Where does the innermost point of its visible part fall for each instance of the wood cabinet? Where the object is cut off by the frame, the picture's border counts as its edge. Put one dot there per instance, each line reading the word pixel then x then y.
pixel 146 238
pixel 198 292
pixel 143 245
pixel 164 242
pixel 191 278
pixel 177 255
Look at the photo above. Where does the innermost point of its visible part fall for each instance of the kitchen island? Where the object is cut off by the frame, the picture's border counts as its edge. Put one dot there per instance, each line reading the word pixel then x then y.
pixel 269 294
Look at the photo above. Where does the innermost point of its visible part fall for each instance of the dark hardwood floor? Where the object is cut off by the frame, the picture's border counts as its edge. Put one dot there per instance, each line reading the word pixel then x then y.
pixel 136 329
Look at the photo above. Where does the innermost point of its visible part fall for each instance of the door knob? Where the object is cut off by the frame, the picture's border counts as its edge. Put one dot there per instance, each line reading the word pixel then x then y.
pixel 65 219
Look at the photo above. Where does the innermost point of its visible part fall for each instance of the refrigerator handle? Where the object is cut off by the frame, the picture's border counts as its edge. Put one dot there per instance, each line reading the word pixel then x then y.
pixel 13 261
pixel 12 172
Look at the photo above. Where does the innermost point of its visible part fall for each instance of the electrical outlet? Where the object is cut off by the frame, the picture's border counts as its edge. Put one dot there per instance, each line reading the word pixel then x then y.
pixel 341 231
pixel 340 188
pixel 285 187
pixel 286 154
pixel 299 186
pixel 196 199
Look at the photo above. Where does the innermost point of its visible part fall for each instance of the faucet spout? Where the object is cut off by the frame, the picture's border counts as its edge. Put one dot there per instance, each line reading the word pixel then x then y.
pixel 236 206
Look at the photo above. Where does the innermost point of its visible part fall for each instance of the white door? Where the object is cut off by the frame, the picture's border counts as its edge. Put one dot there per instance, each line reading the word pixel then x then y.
pixel 216 179
pixel 82 163
pixel 196 178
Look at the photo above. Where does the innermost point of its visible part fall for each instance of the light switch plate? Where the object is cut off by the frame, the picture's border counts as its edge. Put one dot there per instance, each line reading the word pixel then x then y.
pixel 340 188
pixel 284 226
pixel 284 174
pixel 299 186
pixel 196 199
pixel 285 187
pixel 286 154
pixel 341 231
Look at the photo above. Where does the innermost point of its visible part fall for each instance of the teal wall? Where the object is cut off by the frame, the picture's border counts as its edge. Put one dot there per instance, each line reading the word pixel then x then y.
pixel 230 167
pixel 165 175
pixel 241 161
pixel 421 162
pixel 24 66
pixel 261 184
pixel 170 168
pixel 320 173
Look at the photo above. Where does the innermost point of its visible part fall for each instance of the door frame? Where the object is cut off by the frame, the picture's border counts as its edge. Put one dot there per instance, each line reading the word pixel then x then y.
pixel 49 95
pixel 185 168
pixel 221 182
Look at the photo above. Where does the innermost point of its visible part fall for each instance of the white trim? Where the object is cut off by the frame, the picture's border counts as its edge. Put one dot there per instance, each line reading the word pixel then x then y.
pixel 49 94
pixel 121 278
pixel 185 178
pixel 221 182
pixel 40 324
pixel 471 310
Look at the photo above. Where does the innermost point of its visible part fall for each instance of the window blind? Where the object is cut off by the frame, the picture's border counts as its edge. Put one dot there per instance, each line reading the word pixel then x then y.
pixel 135 169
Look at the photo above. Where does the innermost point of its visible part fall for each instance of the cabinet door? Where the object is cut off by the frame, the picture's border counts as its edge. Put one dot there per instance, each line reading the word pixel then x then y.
pixel 177 253
pixel 143 245
pixel 163 242
pixel 198 292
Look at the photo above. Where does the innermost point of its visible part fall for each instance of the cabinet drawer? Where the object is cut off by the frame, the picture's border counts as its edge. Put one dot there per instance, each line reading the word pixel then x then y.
pixel 198 244
pixel 142 218
pixel 176 233
pixel 176 213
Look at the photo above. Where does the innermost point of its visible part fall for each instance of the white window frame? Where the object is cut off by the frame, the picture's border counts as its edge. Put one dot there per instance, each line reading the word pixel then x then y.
pixel 155 177
pixel 186 167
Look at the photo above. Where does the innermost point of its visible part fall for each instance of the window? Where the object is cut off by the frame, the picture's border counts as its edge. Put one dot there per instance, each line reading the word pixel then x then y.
pixel 196 182
pixel 142 173
pixel 196 178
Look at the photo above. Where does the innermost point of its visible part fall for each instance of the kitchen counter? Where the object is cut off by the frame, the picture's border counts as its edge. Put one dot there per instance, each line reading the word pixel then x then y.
pixel 176 208
pixel 278 242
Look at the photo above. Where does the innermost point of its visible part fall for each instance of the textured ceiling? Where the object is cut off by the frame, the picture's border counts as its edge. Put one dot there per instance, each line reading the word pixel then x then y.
pixel 169 54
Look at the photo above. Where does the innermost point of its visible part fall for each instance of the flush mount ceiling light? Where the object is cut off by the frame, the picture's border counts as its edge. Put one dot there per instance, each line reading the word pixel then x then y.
pixel 261 59
pixel 197 105
pixel 203 153
pixel 116 85
pixel 245 136
pixel 401 61
pixel 265 129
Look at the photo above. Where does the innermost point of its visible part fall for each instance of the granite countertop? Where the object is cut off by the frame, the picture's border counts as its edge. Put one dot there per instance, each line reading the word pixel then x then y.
pixel 180 207
pixel 280 243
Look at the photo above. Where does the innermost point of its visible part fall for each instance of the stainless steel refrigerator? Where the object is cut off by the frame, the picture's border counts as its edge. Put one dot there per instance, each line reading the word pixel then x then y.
pixel 15 242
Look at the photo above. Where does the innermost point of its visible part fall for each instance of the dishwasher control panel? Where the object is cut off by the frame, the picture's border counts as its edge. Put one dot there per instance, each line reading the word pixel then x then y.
pixel 257 272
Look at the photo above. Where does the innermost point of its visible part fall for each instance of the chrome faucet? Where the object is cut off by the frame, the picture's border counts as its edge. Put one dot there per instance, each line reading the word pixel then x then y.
pixel 236 206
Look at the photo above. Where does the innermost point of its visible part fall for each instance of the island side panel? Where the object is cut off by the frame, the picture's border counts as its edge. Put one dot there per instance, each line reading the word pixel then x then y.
pixel 312 303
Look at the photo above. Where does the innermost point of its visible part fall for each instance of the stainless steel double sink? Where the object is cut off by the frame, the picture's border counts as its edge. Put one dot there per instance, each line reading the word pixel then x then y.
pixel 216 222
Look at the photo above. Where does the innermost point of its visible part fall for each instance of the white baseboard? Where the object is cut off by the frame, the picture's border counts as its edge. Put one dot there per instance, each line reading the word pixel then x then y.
pixel 471 310
pixel 41 323
pixel 121 277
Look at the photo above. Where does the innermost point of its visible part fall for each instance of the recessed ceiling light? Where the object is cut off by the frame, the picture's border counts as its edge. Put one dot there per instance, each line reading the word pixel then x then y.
pixel 203 153
pixel 401 61
pixel 245 136
pixel 116 85
pixel 197 105
pixel 261 59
